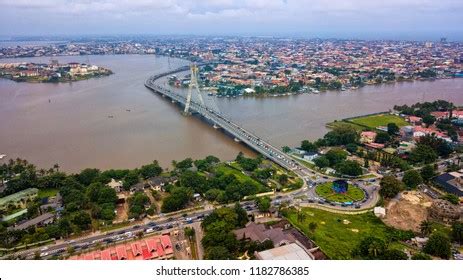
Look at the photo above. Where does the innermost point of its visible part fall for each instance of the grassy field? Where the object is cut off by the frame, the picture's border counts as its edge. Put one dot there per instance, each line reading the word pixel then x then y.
pixel 379 120
pixel 333 125
pixel 47 193
pixel 353 193
pixel 239 175
pixel 338 234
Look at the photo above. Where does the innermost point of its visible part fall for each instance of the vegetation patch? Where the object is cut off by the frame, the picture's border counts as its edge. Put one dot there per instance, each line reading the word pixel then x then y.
pixel 379 120
pixel 353 193
pixel 334 236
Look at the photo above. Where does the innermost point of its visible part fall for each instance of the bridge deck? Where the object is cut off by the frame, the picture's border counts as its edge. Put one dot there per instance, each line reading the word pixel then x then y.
pixel 218 119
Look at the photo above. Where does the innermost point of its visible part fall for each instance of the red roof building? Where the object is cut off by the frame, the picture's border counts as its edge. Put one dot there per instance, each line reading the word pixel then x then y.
pixel 153 248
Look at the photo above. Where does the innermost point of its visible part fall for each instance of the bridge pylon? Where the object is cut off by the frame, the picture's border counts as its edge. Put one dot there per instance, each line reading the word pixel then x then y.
pixel 193 86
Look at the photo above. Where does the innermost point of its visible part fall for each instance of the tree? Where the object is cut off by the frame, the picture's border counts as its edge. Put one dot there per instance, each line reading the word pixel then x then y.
pixel 421 256
pixel 341 135
pixel 190 232
pixel 351 148
pixel 370 248
pixel 150 170
pixel 440 146
pixel 313 226
pixel 286 149
pixel 382 137
pixel 184 164
pixel 438 245
pixel 130 179
pixel 307 146
pixel 390 187
pixel 457 232
pixel 427 172
pixel 137 204
pixel 349 167
pixel 335 156
pixel 451 198
pixel 178 199
pixel 218 253
pixel 82 220
pixel 395 254
pixel 263 203
pixel 248 164
pixel 412 179
pixel 241 215
pixel 429 120
pixel 194 181
pixel 425 228
pixel 283 179
pixel 321 162
pixel 392 128
pixel 88 175
pixel 423 154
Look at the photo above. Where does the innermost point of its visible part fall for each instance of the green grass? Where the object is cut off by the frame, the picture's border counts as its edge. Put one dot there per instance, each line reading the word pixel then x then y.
pixel 353 193
pixel 336 238
pixel 47 193
pixel 335 124
pixel 379 120
pixel 243 178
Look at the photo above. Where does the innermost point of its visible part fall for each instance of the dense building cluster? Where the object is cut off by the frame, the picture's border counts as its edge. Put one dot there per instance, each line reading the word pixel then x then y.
pixel 282 66
pixel 53 72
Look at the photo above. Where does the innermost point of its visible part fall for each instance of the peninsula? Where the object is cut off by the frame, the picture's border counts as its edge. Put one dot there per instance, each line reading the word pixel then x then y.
pixel 54 72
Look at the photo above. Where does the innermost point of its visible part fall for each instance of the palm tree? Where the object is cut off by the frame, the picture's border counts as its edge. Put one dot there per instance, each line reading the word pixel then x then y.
pixel 56 167
pixel 301 216
pixel 374 249
pixel 425 228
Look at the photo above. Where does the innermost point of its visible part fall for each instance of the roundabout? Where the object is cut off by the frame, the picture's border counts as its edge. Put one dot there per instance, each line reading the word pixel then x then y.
pixel 340 192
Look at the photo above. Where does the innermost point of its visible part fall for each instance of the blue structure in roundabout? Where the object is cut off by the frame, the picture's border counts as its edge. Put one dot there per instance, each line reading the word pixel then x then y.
pixel 340 186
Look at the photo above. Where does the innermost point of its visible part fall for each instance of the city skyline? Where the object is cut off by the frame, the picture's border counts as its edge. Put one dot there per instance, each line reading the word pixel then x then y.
pixel 359 19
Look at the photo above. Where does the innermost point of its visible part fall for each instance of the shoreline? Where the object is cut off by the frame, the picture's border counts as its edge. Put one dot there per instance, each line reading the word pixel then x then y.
pixel 350 90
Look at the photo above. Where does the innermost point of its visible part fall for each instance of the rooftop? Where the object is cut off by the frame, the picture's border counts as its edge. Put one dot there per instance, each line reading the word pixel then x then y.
pixel 18 195
pixel 156 247
pixel 287 252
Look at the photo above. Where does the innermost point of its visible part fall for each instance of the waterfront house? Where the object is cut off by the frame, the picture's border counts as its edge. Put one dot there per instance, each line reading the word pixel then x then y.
pixel 367 136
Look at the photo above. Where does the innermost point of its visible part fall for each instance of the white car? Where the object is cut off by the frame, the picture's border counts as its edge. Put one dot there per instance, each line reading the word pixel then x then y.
pixel 44 254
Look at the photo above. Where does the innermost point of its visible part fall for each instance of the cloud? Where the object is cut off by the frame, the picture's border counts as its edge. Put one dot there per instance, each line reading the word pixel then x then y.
pixel 231 15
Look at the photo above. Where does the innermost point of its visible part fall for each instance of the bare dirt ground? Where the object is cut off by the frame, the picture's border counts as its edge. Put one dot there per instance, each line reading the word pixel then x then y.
pixel 122 211
pixel 408 211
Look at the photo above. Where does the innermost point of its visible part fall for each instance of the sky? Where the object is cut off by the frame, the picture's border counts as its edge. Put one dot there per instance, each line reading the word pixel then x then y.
pixel 363 19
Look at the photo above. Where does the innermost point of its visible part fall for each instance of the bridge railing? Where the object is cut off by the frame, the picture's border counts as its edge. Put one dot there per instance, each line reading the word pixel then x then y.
pixel 240 133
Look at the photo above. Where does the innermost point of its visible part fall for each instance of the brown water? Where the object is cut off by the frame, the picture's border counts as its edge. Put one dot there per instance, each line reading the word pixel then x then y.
pixel 74 130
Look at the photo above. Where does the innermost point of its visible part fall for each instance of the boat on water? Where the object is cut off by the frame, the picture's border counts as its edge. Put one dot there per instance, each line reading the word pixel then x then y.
pixel 2 156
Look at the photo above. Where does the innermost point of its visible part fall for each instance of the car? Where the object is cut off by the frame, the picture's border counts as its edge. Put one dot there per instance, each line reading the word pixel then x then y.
pixel 149 230
pixel 151 224
pixel 44 254
pixel 136 226
pixel 44 248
